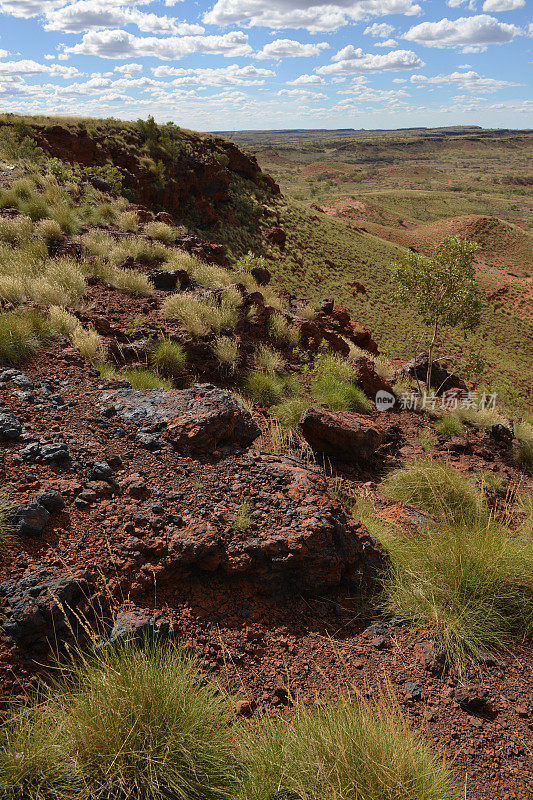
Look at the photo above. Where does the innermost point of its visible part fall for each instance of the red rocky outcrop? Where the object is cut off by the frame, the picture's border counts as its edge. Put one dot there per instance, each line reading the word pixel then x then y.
pixel 340 435
pixel 299 537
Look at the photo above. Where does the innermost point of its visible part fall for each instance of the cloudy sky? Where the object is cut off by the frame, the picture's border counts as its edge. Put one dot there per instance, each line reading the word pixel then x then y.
pixel 234 64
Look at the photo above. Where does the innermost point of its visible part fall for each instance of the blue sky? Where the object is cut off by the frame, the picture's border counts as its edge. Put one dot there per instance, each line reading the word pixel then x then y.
pixel 235 64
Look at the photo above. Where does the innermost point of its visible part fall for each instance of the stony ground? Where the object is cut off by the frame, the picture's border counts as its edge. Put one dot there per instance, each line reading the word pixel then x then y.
pixel 141 529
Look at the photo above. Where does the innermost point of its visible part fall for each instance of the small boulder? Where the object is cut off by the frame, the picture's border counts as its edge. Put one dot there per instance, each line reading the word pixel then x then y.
pixel 52 501
pixel 10 426
pixel 441 379
pixel 368 379
pixel 262 275
pixel 276 236
pixel 30 518
pixel 340 435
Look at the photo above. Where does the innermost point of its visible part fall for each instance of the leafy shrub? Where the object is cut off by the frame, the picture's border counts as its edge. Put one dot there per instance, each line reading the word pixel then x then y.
pixel 21 334
pixel 348 750
pixel 169 356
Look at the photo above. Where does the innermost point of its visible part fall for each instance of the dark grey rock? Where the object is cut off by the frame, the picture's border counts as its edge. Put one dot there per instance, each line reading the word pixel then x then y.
pixel 413 691
pixel 10 426
pixel 30 518
pixel 52 501
pixel 139 627
pixel 195 420
pixel 101 471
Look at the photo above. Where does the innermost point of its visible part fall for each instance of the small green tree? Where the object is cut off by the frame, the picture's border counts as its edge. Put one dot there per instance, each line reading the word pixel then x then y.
pixel 442 286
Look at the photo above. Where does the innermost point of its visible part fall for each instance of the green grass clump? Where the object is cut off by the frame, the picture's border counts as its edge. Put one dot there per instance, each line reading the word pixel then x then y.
pixel 169 356
pixel 524 450
pixel 288 412
pixel 6 528
pixel 348 750
pixel 241 517
pixel 469 579
pixel 482 418
pixel 339 396
pixel 269 389
pixel 334 385
pixel 438 489
pixel 16 231
pixel 449 425
pixel 129 722
pixel 226 351
pixel 200 316
pixel 143 379
pixel 268 359
pixel 49 230
pixel 160 231
pixel 279 329
pixel 21 334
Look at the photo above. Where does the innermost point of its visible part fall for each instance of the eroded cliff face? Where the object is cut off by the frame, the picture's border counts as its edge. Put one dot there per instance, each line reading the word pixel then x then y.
pixel 199 176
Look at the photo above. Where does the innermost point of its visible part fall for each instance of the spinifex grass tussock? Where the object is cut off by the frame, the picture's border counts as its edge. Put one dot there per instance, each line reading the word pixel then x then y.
pixel 438 489
pixel 87 340
pixel 449 425
pixel 269 389
pixel 199 316
pixel 160 231
pixel 128 722
pixel 143 378
pixel 333 384
pixel 21 334
pixel 268 359
pixel 6 527
pixel 288 412
pixel 226 350
pixel 524 450
pixel 347 750
pixel 169 356
pixel 282 331
pixel 469 578
pixel 16 230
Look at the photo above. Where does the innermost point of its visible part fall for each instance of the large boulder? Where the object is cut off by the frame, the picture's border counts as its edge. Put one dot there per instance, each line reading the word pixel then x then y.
pixel 195 420
pixel 298 537
pixel 368 379
pixel 340 435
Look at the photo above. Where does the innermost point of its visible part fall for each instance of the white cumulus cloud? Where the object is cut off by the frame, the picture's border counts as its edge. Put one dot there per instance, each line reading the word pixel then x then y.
pixel 467 81
pixel 477 32
pixel 29 67
pixel 379 29
pixel 87 15
pixel 351 60
pixel 387 43
pixel 233 75
pixel 503 5
pixel 288 48
pixel 307 80
pixel 279 14
pixel 121 44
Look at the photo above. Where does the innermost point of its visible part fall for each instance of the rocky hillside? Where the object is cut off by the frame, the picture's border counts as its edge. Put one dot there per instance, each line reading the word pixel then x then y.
pixel 188 454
